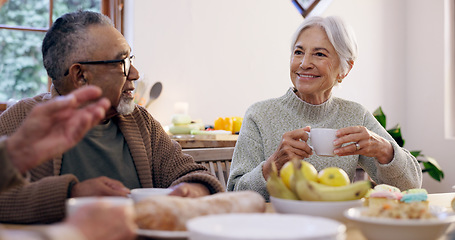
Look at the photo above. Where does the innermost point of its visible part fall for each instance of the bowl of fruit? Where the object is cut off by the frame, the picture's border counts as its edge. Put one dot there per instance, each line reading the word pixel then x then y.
pixel 300 189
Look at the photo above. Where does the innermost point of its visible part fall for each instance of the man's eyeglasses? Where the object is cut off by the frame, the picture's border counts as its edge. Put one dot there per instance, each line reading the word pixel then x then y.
pixel 127 62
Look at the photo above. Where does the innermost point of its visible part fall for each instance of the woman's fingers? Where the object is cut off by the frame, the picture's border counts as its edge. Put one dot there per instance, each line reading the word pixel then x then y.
pixel 350 134
pixel 358 140
pixel 298 134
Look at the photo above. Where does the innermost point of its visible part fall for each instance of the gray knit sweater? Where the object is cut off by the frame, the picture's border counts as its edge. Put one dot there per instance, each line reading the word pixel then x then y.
pixel 265 123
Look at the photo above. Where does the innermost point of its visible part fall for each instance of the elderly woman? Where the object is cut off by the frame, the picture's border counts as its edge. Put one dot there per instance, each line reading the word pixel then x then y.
pixel 275 130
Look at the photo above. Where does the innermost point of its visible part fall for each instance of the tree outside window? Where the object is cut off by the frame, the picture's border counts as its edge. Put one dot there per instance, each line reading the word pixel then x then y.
pixel 23 24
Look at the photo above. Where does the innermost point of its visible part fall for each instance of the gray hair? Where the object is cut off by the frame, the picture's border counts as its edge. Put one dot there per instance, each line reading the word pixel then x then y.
pixel 340 35
pixel 66 42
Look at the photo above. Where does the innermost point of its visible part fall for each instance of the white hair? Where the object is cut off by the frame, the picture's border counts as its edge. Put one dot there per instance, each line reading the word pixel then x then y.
pixel 125 106
pixel 340 35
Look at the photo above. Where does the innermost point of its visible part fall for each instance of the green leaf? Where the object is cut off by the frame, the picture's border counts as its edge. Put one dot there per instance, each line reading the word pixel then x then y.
pixel 431 166
pixel 433 171
pixel 415 153
pixel 432 161
pixel 380 116
pixel 395 132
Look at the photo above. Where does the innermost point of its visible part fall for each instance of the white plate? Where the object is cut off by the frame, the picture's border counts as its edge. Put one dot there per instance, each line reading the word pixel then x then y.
pixel 264 226
pixel 387 228
pixel 169 235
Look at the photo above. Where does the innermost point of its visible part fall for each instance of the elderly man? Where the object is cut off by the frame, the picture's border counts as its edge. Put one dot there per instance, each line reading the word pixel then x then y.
pixel 129 149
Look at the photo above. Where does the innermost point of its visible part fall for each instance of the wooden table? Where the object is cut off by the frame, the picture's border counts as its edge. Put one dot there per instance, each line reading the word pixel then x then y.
pixel 352 233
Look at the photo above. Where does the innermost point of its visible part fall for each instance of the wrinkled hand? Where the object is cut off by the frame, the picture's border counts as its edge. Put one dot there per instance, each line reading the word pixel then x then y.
pixel 104 221
pixel 191 190
pixel 293 145
pixel 55 126
pixel 371 144
pixel 100 186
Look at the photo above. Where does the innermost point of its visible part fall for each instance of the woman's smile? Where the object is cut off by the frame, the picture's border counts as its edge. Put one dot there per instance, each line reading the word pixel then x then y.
pixel 303 76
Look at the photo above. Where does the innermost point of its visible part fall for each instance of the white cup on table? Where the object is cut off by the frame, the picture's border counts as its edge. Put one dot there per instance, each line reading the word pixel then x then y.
pixel 139 194
pixel 321 141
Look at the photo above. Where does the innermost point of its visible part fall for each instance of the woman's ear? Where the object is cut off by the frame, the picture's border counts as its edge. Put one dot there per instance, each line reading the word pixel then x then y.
pixel 351 64
pixel 341 77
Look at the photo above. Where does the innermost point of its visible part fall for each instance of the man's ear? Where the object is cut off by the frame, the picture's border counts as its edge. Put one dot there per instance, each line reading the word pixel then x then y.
pixel 76 75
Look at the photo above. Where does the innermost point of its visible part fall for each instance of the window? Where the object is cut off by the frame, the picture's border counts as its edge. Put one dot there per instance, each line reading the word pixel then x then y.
pixel 23 24
pixel 449 95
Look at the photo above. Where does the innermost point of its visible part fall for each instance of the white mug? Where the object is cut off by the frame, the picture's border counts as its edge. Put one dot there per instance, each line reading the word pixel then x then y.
pixel 138 194
pixel 321 140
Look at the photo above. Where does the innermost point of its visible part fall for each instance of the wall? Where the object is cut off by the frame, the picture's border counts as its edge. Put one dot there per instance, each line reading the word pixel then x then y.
pixel 219 56
pixel 377 78
pixel 425 87
pixel 222 56
pixel 221 64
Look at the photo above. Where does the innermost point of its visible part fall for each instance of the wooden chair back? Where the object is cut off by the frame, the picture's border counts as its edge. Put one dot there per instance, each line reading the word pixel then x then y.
pixel 217 160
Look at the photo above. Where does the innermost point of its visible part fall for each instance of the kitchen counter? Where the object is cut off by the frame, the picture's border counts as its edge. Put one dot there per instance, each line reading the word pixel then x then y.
pixel 205 141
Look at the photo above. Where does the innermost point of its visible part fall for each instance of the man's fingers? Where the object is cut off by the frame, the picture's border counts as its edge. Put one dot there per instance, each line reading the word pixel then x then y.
pixel 55 105
pixel 79 97
pixel 86 93
pixel 99 108
pixel 115 185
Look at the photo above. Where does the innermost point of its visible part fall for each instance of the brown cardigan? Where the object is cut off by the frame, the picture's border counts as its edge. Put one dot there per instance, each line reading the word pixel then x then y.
pixel 9 175
pixel 159 163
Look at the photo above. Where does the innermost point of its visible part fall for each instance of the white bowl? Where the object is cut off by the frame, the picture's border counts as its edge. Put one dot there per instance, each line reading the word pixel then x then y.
pixel 139 194
pixel 74 204
pixel 394 229
pixel 333 210
pixel 264 226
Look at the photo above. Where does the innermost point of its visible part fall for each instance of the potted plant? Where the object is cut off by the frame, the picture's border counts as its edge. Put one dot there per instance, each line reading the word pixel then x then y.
pixel 429 164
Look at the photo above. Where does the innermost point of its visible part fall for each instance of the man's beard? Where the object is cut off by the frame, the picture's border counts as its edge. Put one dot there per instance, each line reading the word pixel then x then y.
pixel 125 106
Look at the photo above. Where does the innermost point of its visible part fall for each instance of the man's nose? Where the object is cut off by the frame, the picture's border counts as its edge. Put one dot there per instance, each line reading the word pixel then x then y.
pixel 134 74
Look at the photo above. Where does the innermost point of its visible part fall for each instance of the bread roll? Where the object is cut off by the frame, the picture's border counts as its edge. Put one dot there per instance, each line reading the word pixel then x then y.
pixel 170 213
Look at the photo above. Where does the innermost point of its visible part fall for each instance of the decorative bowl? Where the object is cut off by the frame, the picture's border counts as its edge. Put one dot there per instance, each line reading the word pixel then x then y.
pixel 375 228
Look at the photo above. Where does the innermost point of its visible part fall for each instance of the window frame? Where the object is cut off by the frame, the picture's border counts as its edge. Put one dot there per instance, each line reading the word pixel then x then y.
pixel 111 8
pixel 114 9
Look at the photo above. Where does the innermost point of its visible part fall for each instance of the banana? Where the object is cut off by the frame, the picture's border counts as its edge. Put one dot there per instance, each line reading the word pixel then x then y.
pixel 297 175
pixel 308 190
pixel 277 188
pixel 313 191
